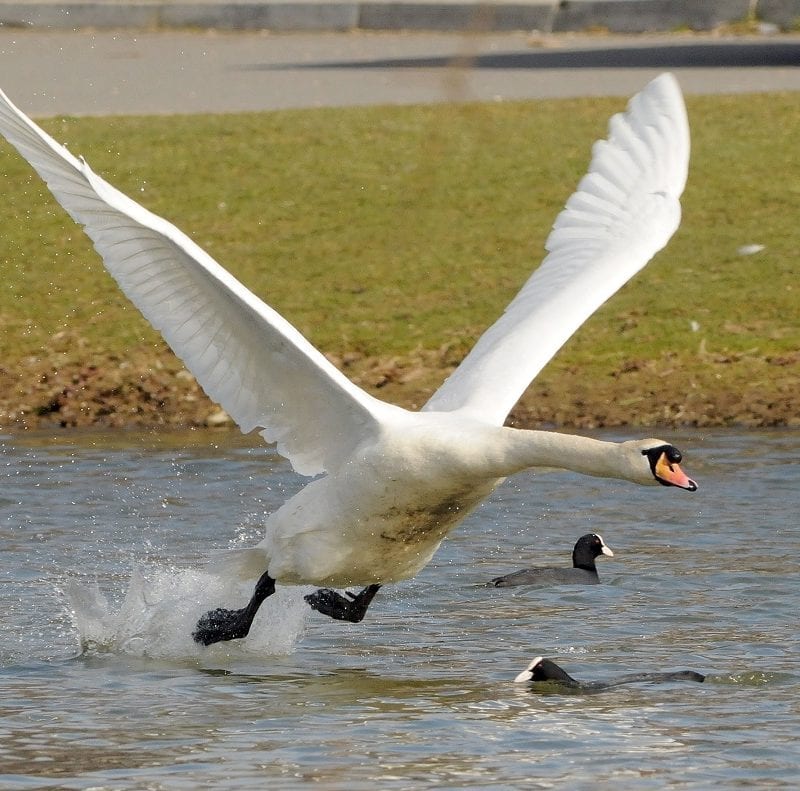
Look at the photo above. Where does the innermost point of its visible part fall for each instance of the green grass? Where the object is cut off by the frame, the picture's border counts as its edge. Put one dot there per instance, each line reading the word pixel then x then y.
pixel 383 230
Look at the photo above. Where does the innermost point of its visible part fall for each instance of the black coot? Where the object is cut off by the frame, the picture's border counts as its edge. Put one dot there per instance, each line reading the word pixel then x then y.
pixel 546 672
pixel 583 571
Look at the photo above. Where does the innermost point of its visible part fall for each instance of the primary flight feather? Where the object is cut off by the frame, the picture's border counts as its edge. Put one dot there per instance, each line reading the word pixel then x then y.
pixel 624 211
pixel 392 483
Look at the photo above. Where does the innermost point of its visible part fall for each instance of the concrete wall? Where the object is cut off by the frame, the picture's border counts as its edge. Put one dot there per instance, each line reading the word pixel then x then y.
pixel 617 16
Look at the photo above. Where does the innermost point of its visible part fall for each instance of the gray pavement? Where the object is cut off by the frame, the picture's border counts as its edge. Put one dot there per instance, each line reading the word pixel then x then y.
pixel 616 16
pixel 127 72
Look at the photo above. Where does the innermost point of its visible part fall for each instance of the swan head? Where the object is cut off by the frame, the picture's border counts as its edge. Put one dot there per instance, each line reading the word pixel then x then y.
pixel 662 462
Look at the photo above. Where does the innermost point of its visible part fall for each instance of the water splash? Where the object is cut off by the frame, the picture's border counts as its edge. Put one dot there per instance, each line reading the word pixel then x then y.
pixel 160 610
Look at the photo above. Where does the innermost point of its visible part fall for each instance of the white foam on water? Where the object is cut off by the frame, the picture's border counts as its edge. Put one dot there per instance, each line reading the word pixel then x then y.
pixel 161 607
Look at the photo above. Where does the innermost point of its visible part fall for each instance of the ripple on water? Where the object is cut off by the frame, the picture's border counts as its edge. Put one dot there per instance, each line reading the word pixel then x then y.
pixel 102 583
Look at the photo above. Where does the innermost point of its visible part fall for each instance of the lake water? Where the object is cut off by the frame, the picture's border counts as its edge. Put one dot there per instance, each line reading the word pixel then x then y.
pixel 101 546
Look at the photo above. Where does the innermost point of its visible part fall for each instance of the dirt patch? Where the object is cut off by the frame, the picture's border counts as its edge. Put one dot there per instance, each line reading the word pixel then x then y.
pixel 148 390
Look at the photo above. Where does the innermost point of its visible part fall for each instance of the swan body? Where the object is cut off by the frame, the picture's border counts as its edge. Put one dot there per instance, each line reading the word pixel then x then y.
pixel 390 483
pixel 388 508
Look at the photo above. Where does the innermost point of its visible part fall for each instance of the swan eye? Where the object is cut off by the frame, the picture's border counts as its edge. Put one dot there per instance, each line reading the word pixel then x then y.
pixel 664 464
pixel 673 454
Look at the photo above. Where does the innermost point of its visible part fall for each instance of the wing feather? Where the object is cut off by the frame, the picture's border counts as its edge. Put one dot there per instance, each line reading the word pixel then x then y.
pixel 248 358
pixel 624 211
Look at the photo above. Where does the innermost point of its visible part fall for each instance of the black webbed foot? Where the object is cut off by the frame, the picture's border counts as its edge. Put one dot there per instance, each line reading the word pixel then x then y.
pixel 350 607
pixel 221 624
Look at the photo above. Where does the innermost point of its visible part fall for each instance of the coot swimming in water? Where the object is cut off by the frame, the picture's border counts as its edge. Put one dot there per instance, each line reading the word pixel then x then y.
pixel 583 571
pixel 545 671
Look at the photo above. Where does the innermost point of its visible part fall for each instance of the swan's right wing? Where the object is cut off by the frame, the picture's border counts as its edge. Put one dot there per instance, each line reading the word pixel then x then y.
pixel 246 356
pixel 624 211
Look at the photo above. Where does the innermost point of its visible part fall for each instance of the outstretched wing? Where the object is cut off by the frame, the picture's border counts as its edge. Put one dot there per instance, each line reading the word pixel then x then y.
pixel 245 355
pixel 625 210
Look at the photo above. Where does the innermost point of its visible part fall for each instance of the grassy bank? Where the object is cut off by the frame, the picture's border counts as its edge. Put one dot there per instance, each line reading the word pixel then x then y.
pixel 392 237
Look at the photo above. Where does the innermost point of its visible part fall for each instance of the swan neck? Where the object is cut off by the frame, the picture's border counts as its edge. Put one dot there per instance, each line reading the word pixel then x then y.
pixel 566 451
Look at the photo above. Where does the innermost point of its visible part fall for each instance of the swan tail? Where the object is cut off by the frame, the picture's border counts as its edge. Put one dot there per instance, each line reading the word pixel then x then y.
pixel 238 564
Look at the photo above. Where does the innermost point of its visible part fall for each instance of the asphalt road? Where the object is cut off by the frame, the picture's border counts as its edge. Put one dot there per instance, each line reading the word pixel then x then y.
pixel 99 73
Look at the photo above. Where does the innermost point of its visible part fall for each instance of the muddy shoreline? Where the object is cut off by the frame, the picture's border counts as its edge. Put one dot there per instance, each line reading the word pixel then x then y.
pixel 148 391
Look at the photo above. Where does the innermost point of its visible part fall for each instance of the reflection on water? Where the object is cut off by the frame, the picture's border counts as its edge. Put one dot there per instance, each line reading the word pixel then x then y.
pixel 116 695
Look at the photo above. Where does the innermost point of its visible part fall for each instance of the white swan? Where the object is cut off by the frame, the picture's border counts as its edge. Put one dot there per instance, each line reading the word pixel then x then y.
pixel 392 483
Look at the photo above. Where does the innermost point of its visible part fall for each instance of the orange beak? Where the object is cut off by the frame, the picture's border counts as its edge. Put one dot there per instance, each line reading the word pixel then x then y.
pixel 670 474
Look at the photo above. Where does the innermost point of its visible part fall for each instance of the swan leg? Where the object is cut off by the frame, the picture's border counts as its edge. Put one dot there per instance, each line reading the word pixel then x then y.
pixel 333 604
pixel 220 624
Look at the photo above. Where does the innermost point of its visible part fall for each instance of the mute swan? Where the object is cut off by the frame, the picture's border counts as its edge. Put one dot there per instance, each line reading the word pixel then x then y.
pixel 545 670
pixel 391 484
pixel 583 571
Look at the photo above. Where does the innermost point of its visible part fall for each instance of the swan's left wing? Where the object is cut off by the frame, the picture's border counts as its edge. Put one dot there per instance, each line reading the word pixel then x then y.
pixel 625 210
pixel 245 355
